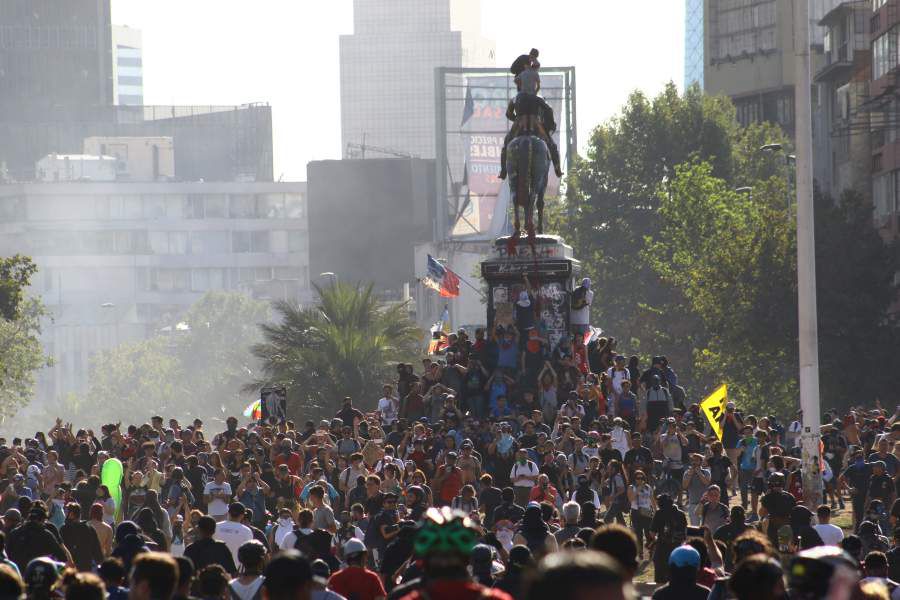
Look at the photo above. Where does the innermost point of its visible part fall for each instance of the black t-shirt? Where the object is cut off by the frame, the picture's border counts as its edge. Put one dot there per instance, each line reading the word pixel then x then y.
pixel 639 458
pixel 779 503
pixel 373 535
pixel 670 526
pixel 718 467
pixel 489 499
pixel 508 512
pixel 692 591
pixel 373 504
pixel 475 381
pixel 881 487
pixel 858 476
pixel 608 454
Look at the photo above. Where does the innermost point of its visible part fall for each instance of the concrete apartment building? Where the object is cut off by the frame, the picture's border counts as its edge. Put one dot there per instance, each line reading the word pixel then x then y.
pixel 120 261
pixel 749 55
pixel 387 68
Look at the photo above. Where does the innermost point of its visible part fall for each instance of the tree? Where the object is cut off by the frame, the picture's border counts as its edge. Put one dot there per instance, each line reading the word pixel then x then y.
pixel 343 346
pixel 858 332
pixel 21 354
pixel 614 197
pixel 187 372
pixel 214 354
pixel 15 276
pixel 731 256
pixel 132 382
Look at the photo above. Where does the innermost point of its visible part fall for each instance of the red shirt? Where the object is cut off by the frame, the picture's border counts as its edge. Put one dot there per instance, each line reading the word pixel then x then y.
pixel 357 582
pixel 457 590
pixel 451 483
pixel 293 462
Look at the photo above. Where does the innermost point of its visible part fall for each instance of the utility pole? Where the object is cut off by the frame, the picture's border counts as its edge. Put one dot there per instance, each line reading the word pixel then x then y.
pixel 806 261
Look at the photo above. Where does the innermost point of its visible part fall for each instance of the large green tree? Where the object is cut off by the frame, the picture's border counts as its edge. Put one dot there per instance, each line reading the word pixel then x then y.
pixel 21 353
pixel 345 345
pixel 195 368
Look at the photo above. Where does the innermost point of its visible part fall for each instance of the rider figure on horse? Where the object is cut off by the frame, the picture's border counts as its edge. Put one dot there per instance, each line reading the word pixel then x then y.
pixel 529 112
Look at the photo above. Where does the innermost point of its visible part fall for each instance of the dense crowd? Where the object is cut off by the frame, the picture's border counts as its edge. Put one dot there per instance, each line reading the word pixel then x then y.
pixel 501 468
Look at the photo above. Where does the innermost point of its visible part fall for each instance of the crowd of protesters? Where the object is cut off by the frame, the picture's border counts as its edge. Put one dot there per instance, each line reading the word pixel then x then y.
pixel 495 456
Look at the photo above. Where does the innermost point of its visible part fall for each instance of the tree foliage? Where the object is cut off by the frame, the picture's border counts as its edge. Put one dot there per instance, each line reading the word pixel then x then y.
pixel 683 222
pixel 15 276
pixel 343 346
pixel 21 355
pixel 189 372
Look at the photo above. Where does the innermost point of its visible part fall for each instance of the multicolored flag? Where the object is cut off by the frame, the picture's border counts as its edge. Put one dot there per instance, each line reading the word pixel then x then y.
pixel 254 410
pixel 441 279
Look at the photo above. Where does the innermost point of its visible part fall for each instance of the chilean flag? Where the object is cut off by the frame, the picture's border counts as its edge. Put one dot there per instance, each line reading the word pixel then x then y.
pixel 441 279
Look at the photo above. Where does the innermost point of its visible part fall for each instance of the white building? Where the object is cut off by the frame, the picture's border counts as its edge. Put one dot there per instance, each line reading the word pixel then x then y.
pixel 119 261
pixel 128 66
pixel 387 68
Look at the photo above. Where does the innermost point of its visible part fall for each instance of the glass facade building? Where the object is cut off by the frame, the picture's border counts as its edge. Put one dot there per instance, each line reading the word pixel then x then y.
pixel 693 43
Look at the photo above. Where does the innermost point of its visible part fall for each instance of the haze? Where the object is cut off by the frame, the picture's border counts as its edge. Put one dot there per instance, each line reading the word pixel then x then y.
pixel 285 52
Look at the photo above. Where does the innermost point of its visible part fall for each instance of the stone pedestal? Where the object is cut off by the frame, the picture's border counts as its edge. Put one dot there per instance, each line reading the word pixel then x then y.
pixel 551 270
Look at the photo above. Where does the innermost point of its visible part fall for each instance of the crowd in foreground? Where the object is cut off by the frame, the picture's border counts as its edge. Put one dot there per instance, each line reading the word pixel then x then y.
pixel 466 481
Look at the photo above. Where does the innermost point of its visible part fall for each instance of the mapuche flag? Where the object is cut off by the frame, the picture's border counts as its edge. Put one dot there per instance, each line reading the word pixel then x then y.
pixel 441 279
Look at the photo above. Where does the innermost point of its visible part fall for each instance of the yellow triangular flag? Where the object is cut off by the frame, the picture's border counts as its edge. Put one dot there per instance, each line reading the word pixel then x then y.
pixel 714 407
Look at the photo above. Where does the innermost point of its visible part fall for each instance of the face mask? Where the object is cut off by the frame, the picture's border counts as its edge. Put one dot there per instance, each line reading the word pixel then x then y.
pixel 286 522
pixel 521 461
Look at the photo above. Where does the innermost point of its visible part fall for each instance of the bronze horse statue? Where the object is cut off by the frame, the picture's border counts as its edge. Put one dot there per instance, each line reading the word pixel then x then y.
pixel 528 164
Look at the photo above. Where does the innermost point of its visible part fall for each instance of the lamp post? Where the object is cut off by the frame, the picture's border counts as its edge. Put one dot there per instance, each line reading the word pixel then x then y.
pixel 789 160
pixel 806 261
pixel 112 306
pixel 330 275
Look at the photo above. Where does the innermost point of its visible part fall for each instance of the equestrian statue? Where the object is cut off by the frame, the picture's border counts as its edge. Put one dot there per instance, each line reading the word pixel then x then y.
pixel 528 148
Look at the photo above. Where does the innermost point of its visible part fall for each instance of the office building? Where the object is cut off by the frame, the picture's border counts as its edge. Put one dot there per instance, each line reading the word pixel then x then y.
pixel 53 56
pixel 388 63
pixel 749 55
pixel 120 261
pixel 693 43
pixel 366 215
pixel 128 66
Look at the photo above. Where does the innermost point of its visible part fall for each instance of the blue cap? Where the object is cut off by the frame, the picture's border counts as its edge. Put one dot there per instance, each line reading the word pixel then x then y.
pixel 684 556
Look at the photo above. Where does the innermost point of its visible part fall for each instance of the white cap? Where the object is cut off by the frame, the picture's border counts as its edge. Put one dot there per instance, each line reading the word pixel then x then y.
pixel 353 546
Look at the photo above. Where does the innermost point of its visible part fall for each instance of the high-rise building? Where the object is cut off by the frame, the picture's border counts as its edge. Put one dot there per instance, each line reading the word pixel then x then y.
pixel 53 55
pixel 749 55
pixel 388 63
pixel 128 66
pixel 693 43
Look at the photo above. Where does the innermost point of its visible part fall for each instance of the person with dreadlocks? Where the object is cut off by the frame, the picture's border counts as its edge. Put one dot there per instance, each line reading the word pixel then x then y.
pixel 528 111
pixel 443 547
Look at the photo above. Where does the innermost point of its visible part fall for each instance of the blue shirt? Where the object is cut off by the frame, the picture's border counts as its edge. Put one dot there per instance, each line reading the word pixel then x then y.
pixel 748 454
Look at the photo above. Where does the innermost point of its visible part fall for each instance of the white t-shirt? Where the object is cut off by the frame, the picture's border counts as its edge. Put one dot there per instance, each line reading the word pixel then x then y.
pixel 217 507
pixel 388 409
pixel 830 534
pixel 582 316
pixel 793 433
pixel 233 534
pixel 246 592
pixel 529 468
pixel 290 540
pixel 619 439
pixel 617 377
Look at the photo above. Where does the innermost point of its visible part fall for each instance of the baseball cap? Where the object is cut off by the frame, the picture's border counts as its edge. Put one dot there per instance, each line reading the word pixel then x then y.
pixel 684 556
pixel 320 570
pixel 353 546
pixel 42 572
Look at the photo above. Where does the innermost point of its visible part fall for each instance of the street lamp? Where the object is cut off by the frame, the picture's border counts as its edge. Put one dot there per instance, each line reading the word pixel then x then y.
pixel 332 276
pixel 110 306
pixel 789 160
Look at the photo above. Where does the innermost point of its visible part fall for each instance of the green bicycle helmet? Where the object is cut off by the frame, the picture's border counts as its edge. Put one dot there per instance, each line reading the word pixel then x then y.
pixel 445 531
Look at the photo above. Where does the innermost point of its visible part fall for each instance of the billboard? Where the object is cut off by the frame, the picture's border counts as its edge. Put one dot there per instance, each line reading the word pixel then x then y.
pixel 483 197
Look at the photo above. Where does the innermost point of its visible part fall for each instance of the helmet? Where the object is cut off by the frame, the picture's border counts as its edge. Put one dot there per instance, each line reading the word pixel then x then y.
pixel 251 552
pixel 445 531
pixel 813 572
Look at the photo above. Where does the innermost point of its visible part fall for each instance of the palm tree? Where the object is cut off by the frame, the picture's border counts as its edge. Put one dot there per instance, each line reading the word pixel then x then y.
pixel 346 345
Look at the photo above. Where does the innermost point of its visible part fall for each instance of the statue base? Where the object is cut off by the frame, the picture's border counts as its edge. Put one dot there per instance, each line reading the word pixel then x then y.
pixel 549 264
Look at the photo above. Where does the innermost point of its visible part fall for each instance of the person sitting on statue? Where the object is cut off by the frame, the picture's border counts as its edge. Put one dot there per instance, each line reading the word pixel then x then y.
pixel 528 111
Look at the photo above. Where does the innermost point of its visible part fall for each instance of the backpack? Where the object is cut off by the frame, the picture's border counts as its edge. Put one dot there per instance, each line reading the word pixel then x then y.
pixel 304 544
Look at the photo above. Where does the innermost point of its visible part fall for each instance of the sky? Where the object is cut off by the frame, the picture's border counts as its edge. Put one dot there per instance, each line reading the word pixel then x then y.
pixel 285 53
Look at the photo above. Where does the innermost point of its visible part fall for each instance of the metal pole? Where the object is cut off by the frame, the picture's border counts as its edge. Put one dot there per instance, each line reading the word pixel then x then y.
pixel 806 261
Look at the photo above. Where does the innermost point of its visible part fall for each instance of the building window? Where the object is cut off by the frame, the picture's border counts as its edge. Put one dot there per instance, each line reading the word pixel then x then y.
pixel 884 53
pixel 884 194
pixel 877 163
pixel 209 242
